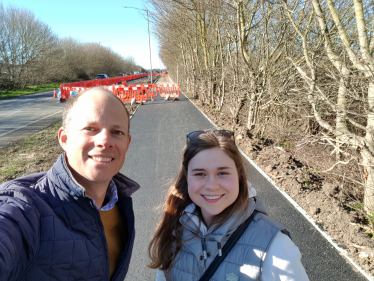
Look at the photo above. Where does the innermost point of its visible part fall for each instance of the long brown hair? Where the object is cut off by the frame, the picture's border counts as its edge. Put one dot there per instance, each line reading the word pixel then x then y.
pixel 167 240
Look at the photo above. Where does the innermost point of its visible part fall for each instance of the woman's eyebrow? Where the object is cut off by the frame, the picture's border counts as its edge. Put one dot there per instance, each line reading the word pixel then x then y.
pixel 223 168
pixel 219 168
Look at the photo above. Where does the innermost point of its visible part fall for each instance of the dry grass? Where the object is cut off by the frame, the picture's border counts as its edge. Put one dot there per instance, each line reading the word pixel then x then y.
pixel 34 154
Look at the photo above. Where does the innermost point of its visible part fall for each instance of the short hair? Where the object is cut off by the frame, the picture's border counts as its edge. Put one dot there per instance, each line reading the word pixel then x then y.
pixel 73 100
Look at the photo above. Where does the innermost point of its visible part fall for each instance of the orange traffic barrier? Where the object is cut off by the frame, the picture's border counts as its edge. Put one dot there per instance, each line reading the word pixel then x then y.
pixel 172 90
pixel 118 86
pixel 153 91
pixel 139 92
pixel 66 90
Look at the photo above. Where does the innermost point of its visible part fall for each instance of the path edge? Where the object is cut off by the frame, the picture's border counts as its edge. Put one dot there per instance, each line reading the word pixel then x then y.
pixel 297 206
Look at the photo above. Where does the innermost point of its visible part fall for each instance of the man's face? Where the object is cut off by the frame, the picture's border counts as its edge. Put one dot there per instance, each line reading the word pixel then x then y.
pixel 96 139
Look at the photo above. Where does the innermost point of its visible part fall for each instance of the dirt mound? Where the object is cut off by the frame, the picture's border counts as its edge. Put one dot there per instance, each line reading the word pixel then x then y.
pixel 323 197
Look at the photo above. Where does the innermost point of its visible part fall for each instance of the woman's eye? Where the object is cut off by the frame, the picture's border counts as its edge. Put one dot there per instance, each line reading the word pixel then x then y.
pixel 199 174
pixel 223 173
pixel 89 129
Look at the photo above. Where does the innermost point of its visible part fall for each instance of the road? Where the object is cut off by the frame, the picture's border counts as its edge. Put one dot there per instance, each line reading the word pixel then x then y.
pixel 26 115
pixel 159 131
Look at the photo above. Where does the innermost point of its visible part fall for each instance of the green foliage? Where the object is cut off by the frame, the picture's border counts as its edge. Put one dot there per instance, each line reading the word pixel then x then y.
pixel 285 144
pixel 370 218
pixel 314 170
pixel 264 140
pixel 28 90
pixel 370 232
pixel 359 207
pixel 307 182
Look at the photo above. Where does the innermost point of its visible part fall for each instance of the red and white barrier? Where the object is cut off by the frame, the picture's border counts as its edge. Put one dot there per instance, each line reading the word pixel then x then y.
pixel 140 92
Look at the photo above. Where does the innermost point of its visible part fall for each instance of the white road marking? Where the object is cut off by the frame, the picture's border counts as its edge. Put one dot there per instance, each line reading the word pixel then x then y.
pixel 11 113
pixel 29 124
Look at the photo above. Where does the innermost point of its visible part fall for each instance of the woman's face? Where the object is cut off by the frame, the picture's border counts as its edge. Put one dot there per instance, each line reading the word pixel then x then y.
pixel 213 182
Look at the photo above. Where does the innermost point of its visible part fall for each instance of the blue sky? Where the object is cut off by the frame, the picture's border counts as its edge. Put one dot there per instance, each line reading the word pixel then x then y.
pixel 125 31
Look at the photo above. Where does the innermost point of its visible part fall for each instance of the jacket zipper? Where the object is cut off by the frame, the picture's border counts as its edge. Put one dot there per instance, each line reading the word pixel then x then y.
pixel 205 255
pixel 127 253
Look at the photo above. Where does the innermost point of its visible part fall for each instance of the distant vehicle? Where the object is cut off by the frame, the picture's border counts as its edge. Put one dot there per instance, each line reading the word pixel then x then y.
pixel 121 74
pixel 128 74
pixel 101 76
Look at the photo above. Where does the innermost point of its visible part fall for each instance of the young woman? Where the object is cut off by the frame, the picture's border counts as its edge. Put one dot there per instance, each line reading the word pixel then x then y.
pixel 208 200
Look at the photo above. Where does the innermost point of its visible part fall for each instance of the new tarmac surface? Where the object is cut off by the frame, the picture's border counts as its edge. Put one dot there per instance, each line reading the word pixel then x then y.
pixel 158 132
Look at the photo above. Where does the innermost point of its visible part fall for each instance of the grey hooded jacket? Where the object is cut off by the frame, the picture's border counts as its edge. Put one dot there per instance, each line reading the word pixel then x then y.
pixel 245 260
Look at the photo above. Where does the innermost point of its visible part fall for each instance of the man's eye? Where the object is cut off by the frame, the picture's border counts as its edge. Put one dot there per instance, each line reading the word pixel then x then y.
pixel 89 129
pixel 119 133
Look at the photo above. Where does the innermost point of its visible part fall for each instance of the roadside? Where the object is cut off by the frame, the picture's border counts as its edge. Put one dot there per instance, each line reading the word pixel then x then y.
pixel 300 167
pixel 35 153
pixel 4 94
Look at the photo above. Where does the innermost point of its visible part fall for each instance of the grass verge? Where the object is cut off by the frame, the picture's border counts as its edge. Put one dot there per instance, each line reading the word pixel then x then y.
pixel 28 90
pixel 37 153
pixel 34 154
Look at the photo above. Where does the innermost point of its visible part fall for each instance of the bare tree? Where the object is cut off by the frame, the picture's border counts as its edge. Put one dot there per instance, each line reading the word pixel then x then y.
pixel 25 43
pixel 345 31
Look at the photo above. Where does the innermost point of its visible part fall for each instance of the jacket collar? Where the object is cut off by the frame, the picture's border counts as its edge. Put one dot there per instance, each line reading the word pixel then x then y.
pixel 62 177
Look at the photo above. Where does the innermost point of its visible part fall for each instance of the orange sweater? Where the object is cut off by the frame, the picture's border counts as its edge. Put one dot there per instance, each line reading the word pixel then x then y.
pixel 116 235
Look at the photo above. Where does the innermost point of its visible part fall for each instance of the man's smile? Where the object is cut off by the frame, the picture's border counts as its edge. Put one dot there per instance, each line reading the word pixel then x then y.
pixel 101 159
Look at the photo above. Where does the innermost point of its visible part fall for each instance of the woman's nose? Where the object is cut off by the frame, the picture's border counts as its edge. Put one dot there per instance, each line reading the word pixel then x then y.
pixel 212 183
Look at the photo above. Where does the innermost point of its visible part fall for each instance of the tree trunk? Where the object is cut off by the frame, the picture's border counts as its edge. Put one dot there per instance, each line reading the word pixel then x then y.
pixel 367 153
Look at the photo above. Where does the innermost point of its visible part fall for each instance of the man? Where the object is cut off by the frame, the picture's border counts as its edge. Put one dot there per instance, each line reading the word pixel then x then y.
pixel 76 221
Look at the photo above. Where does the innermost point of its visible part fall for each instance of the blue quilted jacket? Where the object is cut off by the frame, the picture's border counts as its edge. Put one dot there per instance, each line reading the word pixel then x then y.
pixel 49 229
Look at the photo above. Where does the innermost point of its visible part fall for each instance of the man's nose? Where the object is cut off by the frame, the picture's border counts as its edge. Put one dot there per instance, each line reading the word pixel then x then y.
pixel 103 139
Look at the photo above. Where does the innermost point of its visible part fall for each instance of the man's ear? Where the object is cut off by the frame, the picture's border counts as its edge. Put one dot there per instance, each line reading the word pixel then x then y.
pixel 128 143
pixel 62 137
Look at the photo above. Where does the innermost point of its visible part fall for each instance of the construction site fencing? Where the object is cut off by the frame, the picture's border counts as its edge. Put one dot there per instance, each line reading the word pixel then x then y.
pixel 169 90
pixel 66 90
pixel 118 86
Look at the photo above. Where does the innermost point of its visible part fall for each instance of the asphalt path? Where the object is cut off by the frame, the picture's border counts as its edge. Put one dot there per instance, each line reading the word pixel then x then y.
pixel 26 115
pixel 158 132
